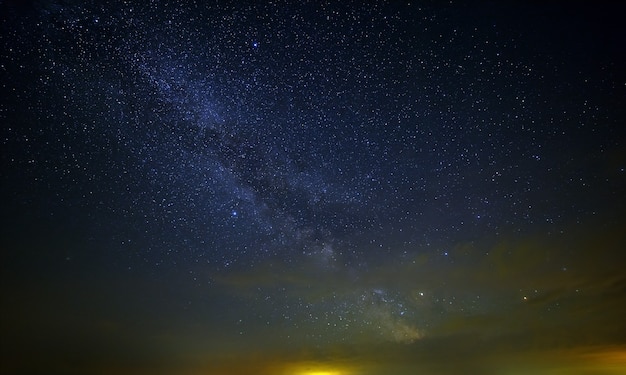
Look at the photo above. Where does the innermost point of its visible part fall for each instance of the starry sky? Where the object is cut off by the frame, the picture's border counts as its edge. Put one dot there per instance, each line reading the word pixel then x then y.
pixel 312 187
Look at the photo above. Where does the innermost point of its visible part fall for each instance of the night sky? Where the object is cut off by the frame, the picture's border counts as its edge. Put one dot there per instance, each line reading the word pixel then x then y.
pixel 312 188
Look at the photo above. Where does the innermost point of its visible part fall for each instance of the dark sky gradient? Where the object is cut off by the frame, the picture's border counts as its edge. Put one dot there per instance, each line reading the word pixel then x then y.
pixel 312 188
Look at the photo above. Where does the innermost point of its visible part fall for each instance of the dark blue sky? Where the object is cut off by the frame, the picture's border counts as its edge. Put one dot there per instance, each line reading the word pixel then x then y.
pixel 295 183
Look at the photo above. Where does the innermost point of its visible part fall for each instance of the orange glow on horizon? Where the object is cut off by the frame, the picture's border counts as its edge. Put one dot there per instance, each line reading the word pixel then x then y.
pixel 311 368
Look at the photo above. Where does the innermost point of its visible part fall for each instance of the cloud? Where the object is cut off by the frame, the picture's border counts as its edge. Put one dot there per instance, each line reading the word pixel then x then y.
pixel 542 290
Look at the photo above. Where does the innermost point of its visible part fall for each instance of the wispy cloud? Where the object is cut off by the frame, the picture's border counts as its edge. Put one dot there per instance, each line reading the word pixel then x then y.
pixel 537 286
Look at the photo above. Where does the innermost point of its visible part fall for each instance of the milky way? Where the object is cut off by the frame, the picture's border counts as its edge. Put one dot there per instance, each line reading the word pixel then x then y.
pixel 203 176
